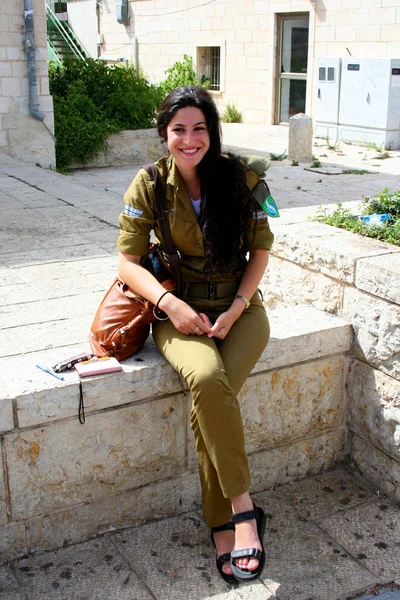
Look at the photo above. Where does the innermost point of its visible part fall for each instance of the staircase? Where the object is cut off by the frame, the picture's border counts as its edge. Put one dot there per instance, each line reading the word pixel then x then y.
pixel 61 40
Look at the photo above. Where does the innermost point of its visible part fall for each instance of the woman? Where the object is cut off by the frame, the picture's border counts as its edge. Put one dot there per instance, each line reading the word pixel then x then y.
pixel 217 331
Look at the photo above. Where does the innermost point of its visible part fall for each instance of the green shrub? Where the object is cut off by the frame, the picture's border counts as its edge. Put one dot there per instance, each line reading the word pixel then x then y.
pixel 181 73
pixel 92 100
pixel 231 114
pixel 79 128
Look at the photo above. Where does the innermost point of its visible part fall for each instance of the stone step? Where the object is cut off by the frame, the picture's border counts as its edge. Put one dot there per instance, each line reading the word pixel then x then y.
pixel 134 460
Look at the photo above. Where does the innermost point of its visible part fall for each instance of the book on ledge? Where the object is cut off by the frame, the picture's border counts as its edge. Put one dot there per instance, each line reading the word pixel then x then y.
pixel 97 366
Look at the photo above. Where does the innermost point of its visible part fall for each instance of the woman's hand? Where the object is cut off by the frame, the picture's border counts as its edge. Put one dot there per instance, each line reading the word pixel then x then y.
pixel 223 324
pixel 183 317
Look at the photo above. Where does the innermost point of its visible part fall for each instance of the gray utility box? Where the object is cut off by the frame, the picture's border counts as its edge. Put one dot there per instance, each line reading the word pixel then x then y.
pixel 362 104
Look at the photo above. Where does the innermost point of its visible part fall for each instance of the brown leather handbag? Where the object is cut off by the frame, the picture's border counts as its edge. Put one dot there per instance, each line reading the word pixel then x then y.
pixel 122 321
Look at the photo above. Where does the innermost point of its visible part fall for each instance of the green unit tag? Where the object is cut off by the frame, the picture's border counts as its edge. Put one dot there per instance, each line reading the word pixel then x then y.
pixel 265 200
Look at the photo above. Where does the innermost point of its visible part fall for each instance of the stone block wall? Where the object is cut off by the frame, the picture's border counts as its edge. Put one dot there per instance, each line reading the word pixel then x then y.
pixel 126 147
pixel 21 135
pixel 134 460
pixel 359 279
pixel 247 33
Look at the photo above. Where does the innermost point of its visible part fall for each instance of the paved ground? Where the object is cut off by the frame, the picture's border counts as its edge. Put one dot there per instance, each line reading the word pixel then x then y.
pixel 326 537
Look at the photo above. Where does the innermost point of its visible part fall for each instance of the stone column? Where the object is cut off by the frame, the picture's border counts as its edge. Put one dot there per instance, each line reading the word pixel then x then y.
pixel 300 138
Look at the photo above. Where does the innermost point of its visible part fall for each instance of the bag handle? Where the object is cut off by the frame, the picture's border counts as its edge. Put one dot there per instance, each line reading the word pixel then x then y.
pixel 163 218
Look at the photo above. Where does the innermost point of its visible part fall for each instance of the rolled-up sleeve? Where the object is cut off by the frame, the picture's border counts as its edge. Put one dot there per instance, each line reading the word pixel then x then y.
pixel 138 218
pixel 260 236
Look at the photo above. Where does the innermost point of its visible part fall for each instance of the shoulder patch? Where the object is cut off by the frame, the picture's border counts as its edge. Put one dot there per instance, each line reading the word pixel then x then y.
pixel 263 197
pixel 131 211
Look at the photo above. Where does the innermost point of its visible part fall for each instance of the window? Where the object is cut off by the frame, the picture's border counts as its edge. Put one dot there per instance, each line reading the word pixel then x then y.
pixel 209 66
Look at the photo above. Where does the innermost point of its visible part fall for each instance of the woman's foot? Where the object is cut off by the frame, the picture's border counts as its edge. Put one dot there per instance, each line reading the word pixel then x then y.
pixel 246 537
pixel 249 528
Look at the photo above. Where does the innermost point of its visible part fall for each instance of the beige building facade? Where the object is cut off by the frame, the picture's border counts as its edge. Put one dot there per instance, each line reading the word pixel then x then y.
pixel 26 107
pixel 261 54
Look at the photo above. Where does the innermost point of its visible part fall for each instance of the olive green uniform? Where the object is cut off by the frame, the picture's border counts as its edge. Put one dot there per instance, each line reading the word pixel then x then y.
pixel 214 369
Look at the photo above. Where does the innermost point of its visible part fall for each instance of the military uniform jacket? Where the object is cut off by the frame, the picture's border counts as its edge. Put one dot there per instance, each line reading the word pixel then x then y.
pixel 139 219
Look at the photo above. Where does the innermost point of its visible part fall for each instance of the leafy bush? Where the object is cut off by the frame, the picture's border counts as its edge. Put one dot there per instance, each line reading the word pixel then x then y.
pixel 384 202
pixel 79 128
pixel 92 100
pixel 181 73
pixel 231 114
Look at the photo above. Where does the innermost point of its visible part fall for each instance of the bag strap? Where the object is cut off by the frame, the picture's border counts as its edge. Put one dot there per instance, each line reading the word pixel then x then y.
pixel 163 218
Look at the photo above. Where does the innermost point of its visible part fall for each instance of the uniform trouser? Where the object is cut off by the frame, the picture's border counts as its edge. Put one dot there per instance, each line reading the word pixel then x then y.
pixel 215 371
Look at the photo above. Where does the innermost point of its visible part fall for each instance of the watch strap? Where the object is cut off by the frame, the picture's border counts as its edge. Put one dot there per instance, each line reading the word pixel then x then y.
pixel 245 300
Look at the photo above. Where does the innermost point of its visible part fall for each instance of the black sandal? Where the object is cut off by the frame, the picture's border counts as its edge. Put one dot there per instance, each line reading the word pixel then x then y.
pixel 220 560
pixel 245 574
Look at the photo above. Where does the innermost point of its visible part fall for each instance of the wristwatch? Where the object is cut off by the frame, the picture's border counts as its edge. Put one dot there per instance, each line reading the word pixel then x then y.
pixel 246 302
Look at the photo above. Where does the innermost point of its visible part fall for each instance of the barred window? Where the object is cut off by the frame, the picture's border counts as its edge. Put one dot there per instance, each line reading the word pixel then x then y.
pixel 209 66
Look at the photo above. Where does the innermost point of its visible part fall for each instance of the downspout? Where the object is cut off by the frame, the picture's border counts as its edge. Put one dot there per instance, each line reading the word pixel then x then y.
pixel 31 56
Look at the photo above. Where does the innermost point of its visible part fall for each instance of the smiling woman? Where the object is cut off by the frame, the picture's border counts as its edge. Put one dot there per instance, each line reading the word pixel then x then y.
pixel 217 331
pixel 188 142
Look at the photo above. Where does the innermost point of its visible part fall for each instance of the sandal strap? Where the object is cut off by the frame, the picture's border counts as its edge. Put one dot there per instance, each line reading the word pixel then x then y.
pixel 243 516
pixel 247 552
pixel 225 527
pixel 223 559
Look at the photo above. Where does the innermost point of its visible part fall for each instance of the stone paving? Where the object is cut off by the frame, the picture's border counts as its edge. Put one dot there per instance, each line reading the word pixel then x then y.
pixel 326 538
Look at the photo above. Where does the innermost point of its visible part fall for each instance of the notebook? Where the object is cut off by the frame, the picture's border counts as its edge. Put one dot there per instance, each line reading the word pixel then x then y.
pixel 97 366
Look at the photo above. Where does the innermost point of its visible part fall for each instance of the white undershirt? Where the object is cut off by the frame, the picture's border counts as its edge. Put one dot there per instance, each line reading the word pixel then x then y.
pixel 196 205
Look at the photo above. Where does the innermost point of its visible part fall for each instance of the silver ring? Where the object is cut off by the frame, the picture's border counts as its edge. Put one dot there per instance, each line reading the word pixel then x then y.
pixel 197 328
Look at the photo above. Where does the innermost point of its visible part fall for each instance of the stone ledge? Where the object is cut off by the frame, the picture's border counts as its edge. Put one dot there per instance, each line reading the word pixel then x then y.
pixel 326 249
pixel 297 334
pixel 127 147
pixel 65 482
pixel 380 276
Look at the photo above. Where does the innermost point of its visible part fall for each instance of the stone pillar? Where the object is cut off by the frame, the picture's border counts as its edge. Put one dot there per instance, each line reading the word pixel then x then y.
pixel 300 138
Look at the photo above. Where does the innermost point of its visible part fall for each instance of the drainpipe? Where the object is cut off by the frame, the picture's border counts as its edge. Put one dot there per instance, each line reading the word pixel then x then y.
pixel 31 56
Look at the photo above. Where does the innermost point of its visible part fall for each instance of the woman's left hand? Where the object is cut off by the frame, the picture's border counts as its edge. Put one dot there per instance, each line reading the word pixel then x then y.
pixel 223 324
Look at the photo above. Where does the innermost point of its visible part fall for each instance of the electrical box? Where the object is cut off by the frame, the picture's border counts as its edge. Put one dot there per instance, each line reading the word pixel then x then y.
pixel 326 107
pixel 358 100
pixel 122 11
pixel 370 101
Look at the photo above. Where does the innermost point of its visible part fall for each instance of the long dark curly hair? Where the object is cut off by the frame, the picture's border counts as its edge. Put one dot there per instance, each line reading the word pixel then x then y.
pixel 225 213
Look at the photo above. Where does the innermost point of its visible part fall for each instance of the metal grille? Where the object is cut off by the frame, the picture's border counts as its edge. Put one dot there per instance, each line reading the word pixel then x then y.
pixel 210 61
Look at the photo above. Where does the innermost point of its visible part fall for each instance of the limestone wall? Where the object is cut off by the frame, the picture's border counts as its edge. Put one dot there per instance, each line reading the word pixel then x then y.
pixel 21 135
pixel 127 147
pixel 359 279
pixel 247 33
pixel 134 460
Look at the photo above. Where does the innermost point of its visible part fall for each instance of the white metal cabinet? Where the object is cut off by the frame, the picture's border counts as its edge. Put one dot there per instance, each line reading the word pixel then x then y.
pixel 326 107
pixel 369 105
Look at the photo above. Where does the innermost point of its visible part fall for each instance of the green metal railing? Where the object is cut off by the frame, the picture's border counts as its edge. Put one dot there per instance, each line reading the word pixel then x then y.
pixel 57 6
pixel 56 25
